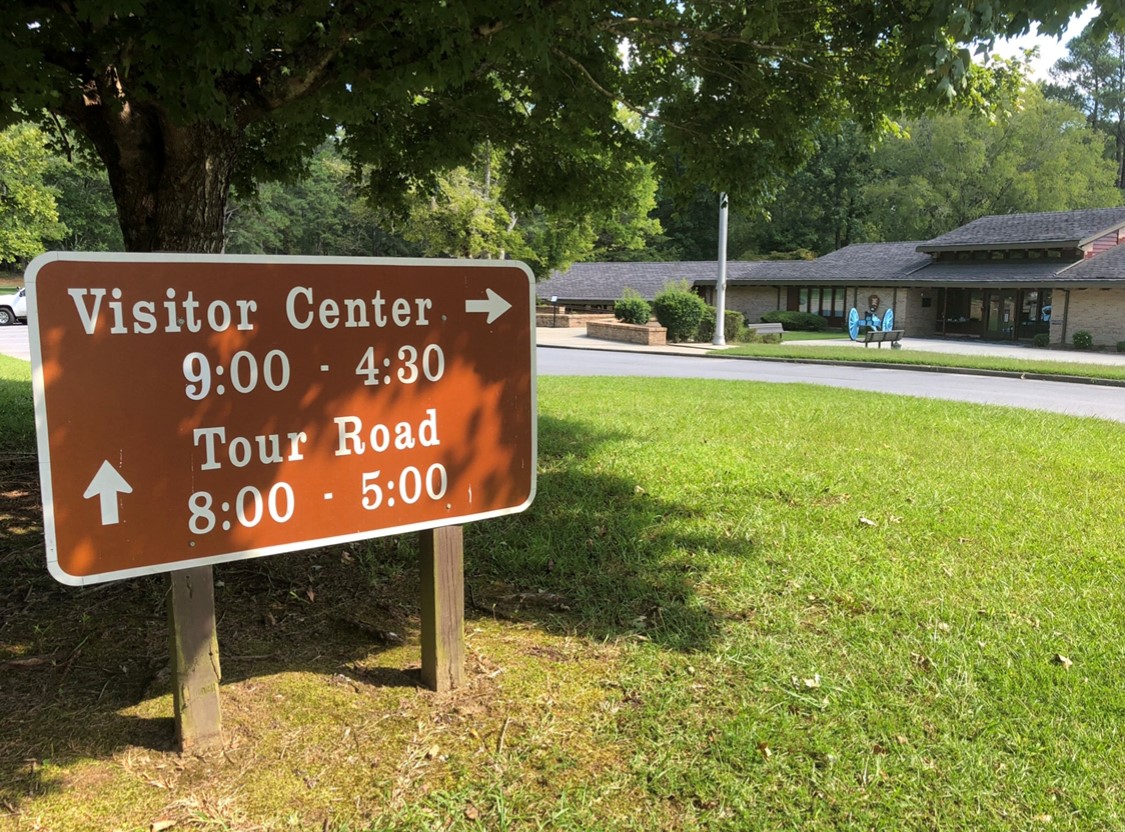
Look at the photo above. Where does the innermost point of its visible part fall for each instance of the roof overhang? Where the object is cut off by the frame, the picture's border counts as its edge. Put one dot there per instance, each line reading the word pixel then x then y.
pixel 1028 244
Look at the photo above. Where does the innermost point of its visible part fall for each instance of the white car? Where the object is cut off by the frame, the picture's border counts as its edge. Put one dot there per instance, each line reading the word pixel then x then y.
pixel 13 308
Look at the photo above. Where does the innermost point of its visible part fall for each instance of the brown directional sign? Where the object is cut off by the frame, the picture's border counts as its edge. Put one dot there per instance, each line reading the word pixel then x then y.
pixel 197 409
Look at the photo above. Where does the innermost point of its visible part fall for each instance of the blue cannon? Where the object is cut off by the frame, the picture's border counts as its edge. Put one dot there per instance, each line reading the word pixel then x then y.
pixel 870 321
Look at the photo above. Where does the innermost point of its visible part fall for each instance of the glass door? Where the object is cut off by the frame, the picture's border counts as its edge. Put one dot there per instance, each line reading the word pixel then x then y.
pixel 1000 314
pixel 1035 312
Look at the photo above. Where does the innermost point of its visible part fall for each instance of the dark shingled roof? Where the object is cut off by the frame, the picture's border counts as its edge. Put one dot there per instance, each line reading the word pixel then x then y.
pixel 880 261
pixel 990 272
pixel 854 263
pixel 1051 229
pixel 604 282
pixel 1109 266
pixel 762 271
pixel 904 264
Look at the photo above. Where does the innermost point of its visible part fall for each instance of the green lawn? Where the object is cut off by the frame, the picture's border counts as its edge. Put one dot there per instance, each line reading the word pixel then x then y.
pixel 796 335
pixel 787 608
pixel 17 416
pixel 924 358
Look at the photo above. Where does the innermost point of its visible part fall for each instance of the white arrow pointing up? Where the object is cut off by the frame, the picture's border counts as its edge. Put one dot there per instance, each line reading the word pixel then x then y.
pixel 495 306
pixel 106 485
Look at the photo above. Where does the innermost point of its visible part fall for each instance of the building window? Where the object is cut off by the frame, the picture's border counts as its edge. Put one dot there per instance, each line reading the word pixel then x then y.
pixel 828 301
pixel 963 312
pixel 1035 312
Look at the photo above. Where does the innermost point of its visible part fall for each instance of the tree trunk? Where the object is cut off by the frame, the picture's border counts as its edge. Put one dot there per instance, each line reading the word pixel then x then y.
pixel 170 182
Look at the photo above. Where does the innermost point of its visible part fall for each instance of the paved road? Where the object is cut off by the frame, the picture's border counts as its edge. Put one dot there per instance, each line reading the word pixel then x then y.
pixel 13 342
pixel 1072 399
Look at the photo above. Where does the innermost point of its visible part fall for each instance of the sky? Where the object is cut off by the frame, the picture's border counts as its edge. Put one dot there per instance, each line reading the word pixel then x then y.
pixel 1050 49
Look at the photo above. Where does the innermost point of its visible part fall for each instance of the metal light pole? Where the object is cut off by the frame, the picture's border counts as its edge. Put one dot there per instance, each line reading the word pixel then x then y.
pixel 719 339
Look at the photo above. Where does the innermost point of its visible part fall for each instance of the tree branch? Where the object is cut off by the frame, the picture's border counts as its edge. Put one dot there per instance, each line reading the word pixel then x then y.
pixel 612 96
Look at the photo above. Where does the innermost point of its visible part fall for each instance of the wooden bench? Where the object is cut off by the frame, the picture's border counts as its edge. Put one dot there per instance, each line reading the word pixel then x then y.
pixel 767 329
pixel 890 336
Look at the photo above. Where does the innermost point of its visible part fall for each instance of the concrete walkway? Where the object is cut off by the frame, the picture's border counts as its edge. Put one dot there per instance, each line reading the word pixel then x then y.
pixel 576 338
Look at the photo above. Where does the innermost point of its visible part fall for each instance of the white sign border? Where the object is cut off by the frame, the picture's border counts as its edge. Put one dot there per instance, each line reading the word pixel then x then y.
pixel 42 425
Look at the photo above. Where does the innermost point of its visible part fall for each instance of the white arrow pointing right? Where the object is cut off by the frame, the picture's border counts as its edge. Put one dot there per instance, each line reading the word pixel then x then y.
pixel 106 485
pixel 495 306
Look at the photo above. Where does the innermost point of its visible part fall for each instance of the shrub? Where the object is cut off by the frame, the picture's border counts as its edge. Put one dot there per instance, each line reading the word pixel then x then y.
pixel 632 308
pixel 679 311
pixel 797 321
pixel 735 325
pixel 734 330
pixel 1121 346
pixel 1083 340
pixel 1041 339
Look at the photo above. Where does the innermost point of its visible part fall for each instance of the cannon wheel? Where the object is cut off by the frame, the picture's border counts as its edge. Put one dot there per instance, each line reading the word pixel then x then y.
pixel 853 324
pixel 889 320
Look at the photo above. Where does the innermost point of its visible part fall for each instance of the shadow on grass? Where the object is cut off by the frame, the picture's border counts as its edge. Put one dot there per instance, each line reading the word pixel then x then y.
pixel 80 667
pixel 594 557
pixel 17 416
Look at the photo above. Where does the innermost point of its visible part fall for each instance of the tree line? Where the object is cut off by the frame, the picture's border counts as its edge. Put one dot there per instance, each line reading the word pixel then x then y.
pixel 1039 147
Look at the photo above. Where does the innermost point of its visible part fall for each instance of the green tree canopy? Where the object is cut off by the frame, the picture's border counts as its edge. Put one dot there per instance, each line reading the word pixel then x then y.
pixel 1092 77
pixel 463 213
pixel 954 168
pixel 941 171
pixel 182 98
pixel 29 216
pixel 85 204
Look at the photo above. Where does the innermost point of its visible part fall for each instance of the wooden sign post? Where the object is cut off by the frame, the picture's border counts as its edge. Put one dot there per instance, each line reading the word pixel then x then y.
pixel 196 409
pixel 194 651
pixel 441 568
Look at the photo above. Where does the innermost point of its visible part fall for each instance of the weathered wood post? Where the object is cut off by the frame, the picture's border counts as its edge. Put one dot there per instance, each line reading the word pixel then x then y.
pixel 195 659
pixel 442 559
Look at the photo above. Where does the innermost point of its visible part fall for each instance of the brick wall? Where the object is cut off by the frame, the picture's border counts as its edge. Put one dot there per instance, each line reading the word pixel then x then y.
pixel 567 319
pixel 755 301
pixel 910 314
pixel 650 334
pixel 914 318
pixel 1101 312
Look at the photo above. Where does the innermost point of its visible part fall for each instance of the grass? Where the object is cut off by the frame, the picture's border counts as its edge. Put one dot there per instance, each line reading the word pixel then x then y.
pixel 786 610
pixel 926 359
pixel 797 335
pixel 17 414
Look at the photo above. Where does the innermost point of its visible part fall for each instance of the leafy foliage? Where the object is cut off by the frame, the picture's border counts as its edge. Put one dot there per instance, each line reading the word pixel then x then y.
pixel 955 168
pixel 679 311
pixel 1083 340
pixel 85 204
pixel 1092 78
pixel 183 100
pixel 799 321
pixel 942 171
pixel 631 308
pixel 29 216
pixel 321 213
pixel 464 213
pixel 734 327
